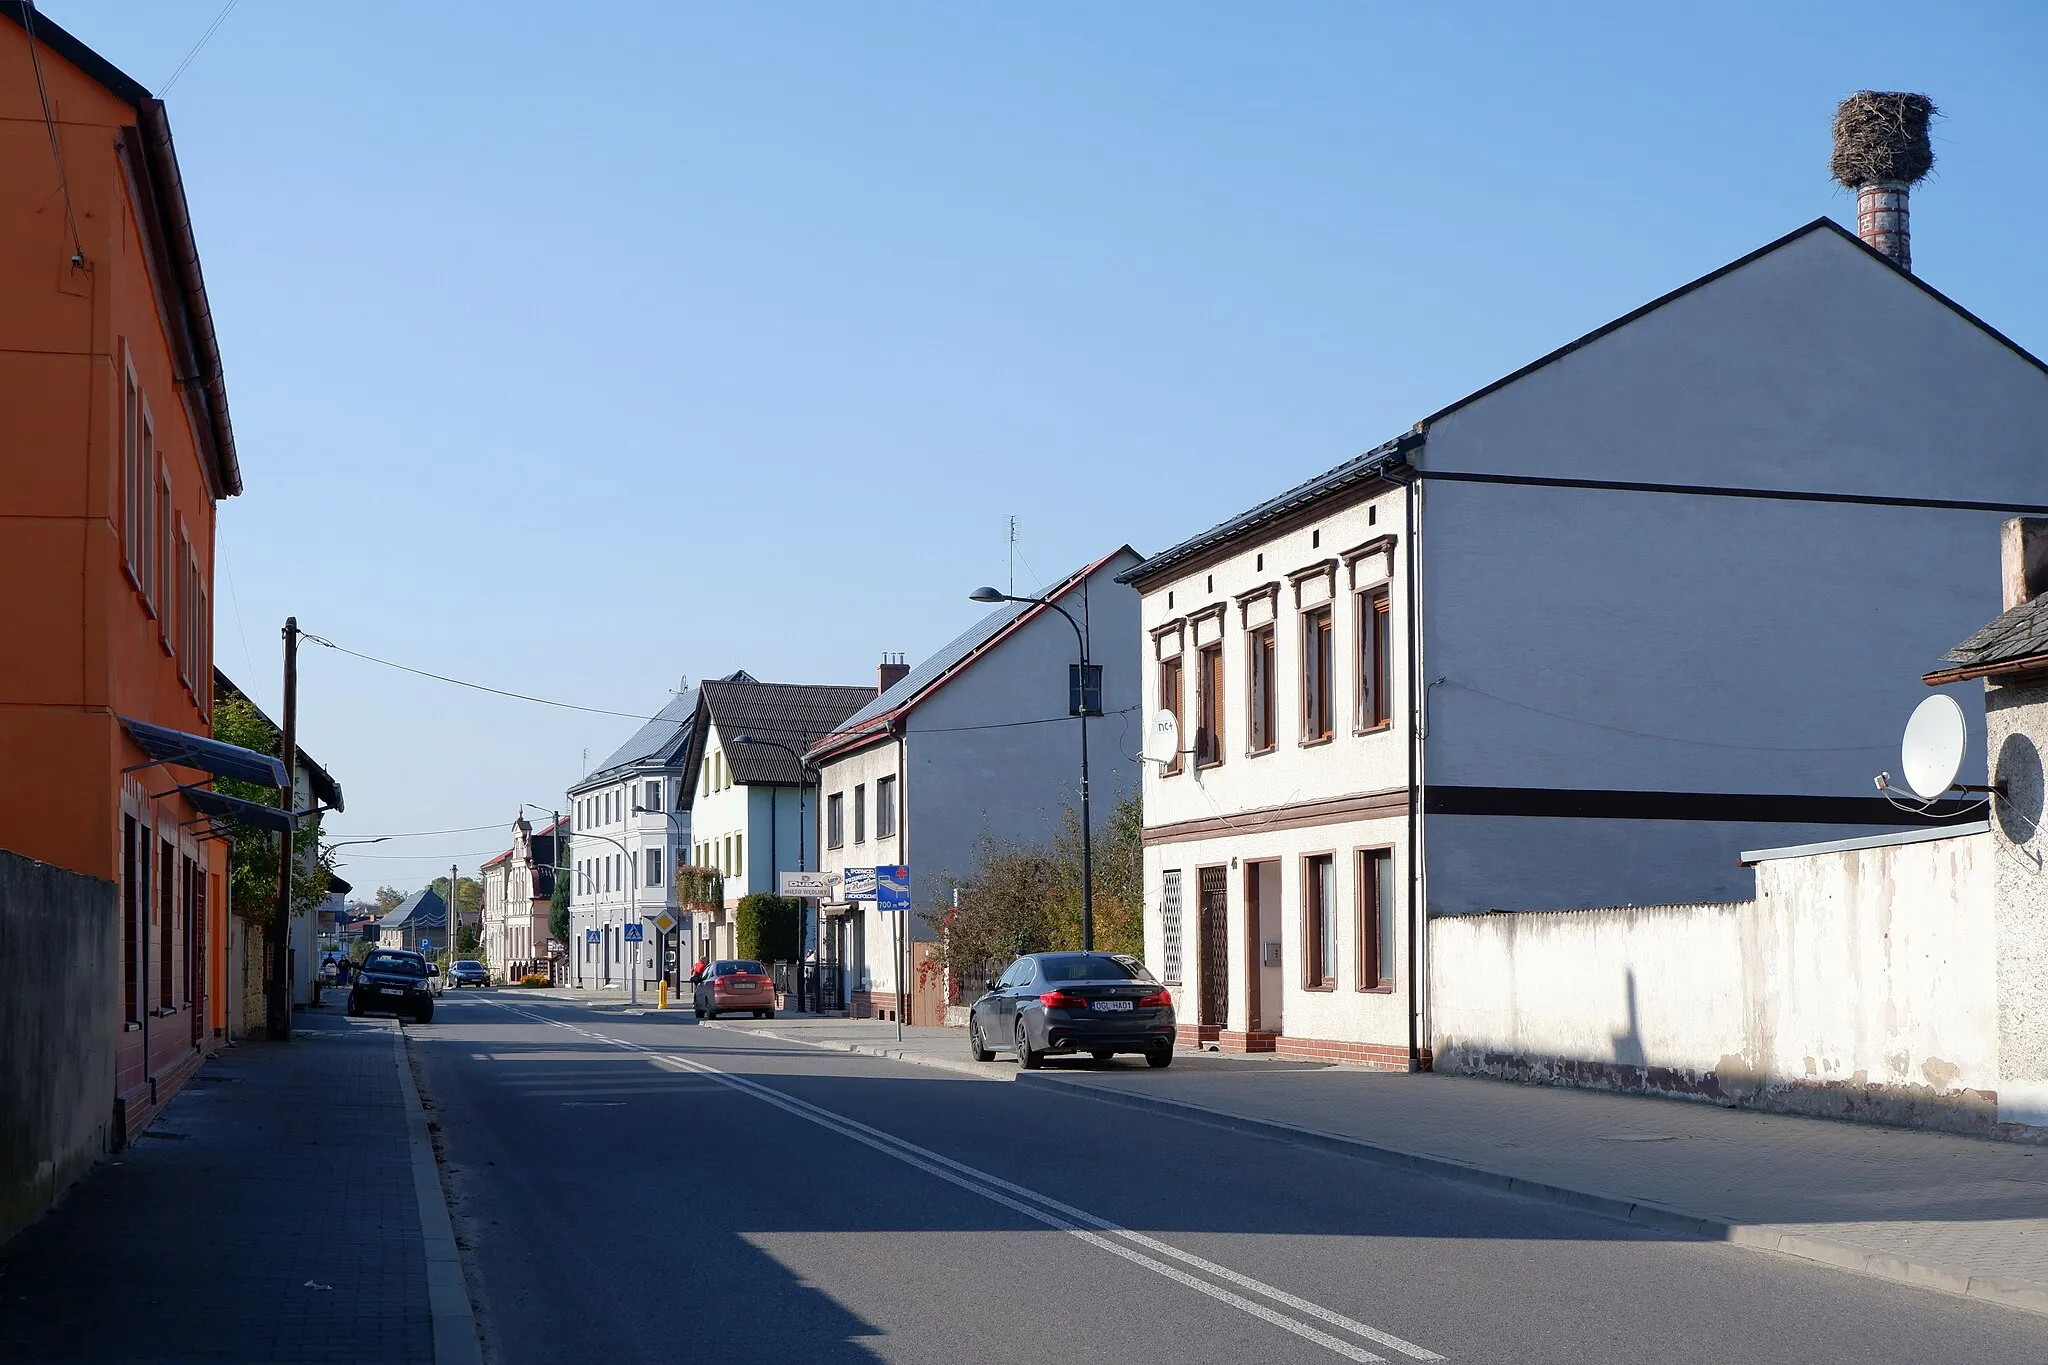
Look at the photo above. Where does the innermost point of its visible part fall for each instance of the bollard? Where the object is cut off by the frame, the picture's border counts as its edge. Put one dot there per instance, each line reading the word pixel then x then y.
pixel 663 1002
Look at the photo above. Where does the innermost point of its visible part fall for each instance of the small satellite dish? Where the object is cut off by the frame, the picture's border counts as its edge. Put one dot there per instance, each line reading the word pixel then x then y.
pixel 1162 738
pixel 1933 748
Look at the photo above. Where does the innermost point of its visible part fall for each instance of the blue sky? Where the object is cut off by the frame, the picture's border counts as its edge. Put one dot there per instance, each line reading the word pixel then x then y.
pixel 577 348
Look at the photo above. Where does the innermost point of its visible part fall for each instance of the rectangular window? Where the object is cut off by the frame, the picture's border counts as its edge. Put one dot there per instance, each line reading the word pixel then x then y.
pixel 182 563
pixel 145 493
pixel 167 926
pixel 1169 700
pixel 1170 929
pixel 1259 660
pixel 189 886
pixel 1375 699
pixel 739 854
pixel 134 906
pixel 885 807
pixel 654 867
pixel 131 473
pixel 653 797
pixel 161 566
pixel 1316 658
pixel 860 814
pixel 835 820
pixel 1319 920
pixel 1375 918
pixel 1209 705
pixel 205 664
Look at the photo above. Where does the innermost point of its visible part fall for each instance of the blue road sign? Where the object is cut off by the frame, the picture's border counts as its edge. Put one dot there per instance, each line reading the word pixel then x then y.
pixel 892 889
pixel 634 932
pixel 590 936
pixel 426 945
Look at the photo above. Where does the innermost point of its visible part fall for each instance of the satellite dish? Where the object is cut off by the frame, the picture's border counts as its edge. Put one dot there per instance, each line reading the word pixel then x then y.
pixel 1933 748
pixel 1162 738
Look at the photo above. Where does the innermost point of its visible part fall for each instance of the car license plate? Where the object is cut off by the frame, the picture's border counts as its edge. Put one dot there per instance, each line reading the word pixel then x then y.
pixel 392 990
pixel 1109 1006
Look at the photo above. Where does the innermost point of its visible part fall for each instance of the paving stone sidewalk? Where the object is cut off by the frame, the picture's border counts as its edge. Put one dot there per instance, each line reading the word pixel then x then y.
pixel 1961 1215
pixel 269 1214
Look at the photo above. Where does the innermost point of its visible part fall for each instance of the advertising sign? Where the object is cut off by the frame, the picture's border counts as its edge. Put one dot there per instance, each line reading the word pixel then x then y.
pixel 812 886
pixel 857 884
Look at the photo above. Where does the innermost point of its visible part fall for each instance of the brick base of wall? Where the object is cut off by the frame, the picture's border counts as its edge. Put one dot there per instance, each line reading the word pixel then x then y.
pixel 874 1005
pixel 1232 1040
pixel 1197 1035
pixel 1378 1056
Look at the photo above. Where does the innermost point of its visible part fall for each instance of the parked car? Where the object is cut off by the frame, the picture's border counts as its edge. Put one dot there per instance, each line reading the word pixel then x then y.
pixel 1097 1003
pixel 468 972
pixel 392 981
pixel 733 986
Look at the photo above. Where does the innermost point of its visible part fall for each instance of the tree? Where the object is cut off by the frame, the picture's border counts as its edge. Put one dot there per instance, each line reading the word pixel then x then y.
pixel 252 861
pixel 469 896
pixel 388 900
pixel 558 909
pixel 765 927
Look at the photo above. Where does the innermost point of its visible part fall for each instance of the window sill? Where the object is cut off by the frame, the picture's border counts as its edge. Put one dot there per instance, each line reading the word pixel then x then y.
pixel 1384 988
pixel 1317 743
pixel 1204 767
pixel 1327 988
pixel 1260 753
pixel 132 1026
pixel 1379 729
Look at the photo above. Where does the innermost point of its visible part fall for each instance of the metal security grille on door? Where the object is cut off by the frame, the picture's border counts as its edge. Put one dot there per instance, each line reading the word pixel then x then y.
pixel 1170 930
pixel 1215 946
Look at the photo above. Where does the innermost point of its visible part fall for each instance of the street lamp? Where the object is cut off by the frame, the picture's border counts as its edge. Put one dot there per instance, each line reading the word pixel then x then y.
pixel 1077 705
pixel 802 766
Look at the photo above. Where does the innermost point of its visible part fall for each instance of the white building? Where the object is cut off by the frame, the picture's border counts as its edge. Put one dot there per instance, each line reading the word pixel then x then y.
pixel 749 814
pixel 960 747
pixel 1677 581
pixel 519 888
pixel 628 828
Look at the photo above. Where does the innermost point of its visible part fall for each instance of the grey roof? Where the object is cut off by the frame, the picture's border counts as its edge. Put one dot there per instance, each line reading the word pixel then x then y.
pixel 1359 469
pixel 963 646
pixel 661 740
pixel 422 910
pixel 2021 633
pixel 796 714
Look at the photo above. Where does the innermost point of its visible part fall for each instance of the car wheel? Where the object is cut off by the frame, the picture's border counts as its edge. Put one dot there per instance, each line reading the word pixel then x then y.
pixel 425 1014
pixel 975 1047
pixel 1159 1056
pixel 353 1009
pixel 1102 1054
pixel 767 1014
pixel 1027 1058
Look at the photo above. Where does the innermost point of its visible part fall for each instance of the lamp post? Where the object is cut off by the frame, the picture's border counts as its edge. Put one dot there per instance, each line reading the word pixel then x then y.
pixel 1078 706
pixel 632 909
pixel 802 766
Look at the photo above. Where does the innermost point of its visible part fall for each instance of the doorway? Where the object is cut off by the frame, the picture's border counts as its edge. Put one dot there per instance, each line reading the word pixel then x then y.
pixel 1264 987
pixel 1213 949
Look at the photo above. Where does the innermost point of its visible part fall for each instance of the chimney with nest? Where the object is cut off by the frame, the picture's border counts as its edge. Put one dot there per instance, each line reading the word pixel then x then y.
pixel 1881 152
pixel 2023 559
pixel 892 671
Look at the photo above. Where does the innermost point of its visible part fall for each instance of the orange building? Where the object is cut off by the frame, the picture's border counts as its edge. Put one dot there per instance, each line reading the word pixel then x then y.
pixel 115 450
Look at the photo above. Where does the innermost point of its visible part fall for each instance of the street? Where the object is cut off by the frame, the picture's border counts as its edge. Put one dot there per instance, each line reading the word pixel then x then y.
pixel 640 1188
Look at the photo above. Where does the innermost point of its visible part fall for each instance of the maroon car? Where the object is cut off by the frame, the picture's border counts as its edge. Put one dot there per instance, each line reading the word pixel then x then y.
pixel 732 987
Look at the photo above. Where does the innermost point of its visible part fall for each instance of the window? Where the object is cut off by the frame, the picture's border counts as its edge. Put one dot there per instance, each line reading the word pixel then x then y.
pixel 1170 930
pixel 739 854
pixel 134 908
pixel 192 888
pixel 652 801
pixel 726 865
pixel 654 867
pixel 131 473
pixel 167 924
pixel 1259 701
pixel 860 814
pixel 885 807
pixel 1316 659
pixel 835 820
pixel 1375 918
pixel 181 562
pixel 162 565
pixel 1209 705
pixel 1169 700
pixel 204 666
pixel 1319 919
pixel 1375 702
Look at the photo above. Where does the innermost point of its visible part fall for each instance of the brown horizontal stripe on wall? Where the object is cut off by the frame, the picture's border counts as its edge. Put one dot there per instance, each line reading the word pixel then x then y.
pixel 1571 803
pixel 1363 806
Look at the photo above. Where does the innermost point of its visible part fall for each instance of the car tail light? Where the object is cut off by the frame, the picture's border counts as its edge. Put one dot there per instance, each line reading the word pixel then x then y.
pixel 1063 1000
pixel 1160 999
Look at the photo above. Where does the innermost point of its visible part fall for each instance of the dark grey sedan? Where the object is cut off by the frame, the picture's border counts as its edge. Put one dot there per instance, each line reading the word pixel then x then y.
pixel 1052 1003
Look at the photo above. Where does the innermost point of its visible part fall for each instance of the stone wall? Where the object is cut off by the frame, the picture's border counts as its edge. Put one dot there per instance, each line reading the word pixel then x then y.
pixel 60 963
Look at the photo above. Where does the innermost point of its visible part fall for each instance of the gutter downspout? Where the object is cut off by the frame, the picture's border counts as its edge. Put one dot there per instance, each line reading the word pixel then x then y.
pixel 1416 927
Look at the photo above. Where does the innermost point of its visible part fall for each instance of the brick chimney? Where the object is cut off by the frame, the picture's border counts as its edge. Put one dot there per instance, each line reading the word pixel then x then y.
pixel 892 671
pixel 1881 150
pixel 2023 559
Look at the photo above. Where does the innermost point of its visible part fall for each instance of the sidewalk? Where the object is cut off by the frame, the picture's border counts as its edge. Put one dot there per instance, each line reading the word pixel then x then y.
pixel 1954 1214
pixel 273 1212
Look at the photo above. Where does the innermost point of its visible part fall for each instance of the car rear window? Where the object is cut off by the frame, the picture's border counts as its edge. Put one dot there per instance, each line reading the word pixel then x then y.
pixel 1092 967
pixel 735 968
pixel 466 962
pixel 394 964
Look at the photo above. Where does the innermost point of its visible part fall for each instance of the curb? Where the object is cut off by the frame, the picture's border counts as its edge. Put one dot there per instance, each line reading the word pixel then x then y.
pixel 455 1338
pixel 2020 1294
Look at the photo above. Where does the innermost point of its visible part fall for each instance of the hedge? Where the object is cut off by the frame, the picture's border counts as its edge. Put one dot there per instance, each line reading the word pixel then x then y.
pixel 765 927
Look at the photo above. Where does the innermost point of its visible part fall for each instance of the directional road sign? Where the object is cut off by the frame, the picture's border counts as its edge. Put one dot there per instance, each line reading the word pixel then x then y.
pixel 892 889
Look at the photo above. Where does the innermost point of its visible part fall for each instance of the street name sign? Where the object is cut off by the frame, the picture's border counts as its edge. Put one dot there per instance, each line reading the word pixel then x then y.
pixel 812 886
pixel 892 889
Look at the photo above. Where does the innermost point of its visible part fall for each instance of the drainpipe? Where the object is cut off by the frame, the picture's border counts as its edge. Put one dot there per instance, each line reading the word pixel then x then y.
pixel 1416 915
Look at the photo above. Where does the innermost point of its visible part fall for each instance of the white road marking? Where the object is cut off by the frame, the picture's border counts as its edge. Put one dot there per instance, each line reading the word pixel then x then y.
pixel 1045 1209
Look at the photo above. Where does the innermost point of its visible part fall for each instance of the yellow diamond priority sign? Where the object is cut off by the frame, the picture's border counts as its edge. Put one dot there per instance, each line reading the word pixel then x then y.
pixel 665 921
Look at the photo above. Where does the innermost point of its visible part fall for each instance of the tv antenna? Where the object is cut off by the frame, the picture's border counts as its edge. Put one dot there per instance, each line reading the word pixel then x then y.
pixel 1013 555
pixel 1162 738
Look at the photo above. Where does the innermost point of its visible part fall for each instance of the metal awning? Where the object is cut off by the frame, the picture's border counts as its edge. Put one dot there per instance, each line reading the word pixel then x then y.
pixel 234 808
pixel 208 755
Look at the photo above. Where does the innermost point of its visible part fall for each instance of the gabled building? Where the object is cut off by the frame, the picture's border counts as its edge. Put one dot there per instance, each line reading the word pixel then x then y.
pixel 1659 595
pixel 747 787
pixel 418 924
pixel 972 742
pixel 119 449
pixel 519 889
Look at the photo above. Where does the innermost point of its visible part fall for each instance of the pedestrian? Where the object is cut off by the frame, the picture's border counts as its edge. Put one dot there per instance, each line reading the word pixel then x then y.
pixel 697 972
pixel 341 971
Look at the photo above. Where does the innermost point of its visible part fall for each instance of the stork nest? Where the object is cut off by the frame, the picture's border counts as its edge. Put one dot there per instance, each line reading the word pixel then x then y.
pixel 1882 135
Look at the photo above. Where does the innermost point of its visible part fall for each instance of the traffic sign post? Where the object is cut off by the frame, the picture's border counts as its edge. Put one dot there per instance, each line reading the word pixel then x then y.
pixel 892 898
pixel 635 933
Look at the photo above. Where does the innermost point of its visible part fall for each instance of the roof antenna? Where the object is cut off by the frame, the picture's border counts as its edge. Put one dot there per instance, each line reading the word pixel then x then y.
pixel 1013 554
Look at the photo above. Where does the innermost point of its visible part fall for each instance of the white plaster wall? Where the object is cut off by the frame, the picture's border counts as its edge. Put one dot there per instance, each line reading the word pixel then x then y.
pixel 871 963
pixel 2018 726
pixel 1857 983
pixel 630 898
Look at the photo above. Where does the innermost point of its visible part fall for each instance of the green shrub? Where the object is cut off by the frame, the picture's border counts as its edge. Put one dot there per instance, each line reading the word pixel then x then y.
pixel 765 927
pixel 533 979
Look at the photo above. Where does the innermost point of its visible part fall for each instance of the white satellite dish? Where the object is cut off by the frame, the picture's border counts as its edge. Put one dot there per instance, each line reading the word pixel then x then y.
pixel 1162 738
pixel 1933 748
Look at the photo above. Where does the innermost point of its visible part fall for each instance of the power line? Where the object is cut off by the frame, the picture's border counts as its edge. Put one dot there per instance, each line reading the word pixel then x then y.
pixel 35 57
pixel 427 833
pixel 211 29
pixel 312 639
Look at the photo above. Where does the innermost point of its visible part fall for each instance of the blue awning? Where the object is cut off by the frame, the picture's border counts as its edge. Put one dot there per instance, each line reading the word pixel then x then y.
pixel 234 808
pixel 208 755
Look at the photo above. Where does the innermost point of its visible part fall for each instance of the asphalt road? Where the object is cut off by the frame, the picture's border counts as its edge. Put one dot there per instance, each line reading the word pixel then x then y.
pixel 636 1189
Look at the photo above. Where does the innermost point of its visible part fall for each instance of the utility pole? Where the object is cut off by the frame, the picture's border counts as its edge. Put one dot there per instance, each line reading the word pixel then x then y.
pixel 278 1003
pixel 454 919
